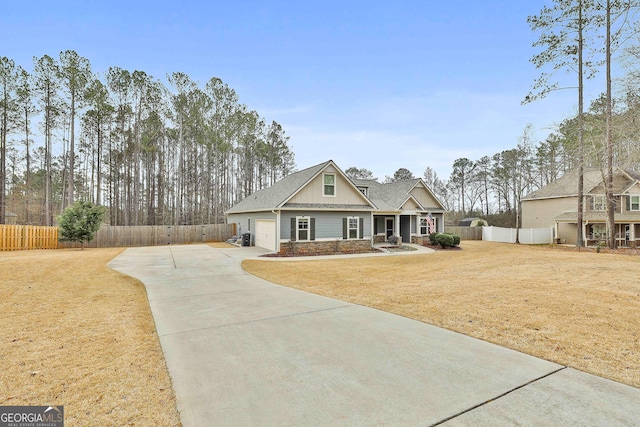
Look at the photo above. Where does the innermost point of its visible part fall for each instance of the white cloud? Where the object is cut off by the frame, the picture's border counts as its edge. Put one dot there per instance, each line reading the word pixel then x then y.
pixel 416 132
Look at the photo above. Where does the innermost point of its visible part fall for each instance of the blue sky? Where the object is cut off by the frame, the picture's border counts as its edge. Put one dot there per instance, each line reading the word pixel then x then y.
pixel 373 84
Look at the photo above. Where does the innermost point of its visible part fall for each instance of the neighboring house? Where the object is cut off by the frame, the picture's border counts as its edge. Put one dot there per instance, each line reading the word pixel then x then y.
pixel 556 205
pixel 321 210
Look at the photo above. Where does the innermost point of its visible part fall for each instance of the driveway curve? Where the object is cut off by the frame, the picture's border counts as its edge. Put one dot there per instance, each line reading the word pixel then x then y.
pixel 242 351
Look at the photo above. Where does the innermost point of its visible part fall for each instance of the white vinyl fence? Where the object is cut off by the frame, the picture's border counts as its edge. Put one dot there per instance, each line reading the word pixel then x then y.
pixel 527 236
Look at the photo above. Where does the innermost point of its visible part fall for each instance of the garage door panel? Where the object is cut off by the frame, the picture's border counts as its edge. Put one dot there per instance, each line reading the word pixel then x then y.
pixel 266 234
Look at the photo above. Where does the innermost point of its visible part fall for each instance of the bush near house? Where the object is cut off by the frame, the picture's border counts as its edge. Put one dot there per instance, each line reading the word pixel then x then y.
pixel 445 240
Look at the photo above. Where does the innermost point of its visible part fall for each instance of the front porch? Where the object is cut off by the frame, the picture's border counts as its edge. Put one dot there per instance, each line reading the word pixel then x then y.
pixel 627 234
pixel 408 227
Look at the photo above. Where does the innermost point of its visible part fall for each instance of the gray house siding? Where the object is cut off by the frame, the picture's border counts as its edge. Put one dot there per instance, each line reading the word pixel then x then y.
pixel 246 222
pixel 328 225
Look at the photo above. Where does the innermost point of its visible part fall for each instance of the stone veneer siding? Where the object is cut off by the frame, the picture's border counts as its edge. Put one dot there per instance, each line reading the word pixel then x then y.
pixel 379 238
pixel 328 247
pixel 420 240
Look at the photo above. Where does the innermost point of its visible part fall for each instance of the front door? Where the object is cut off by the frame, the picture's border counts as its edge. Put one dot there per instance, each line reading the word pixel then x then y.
pixel 389 226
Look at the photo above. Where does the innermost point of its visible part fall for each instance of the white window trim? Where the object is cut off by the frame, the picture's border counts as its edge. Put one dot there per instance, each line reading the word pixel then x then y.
pixel 631 202
pixel 602 202
pixel 335 181
pixel 308 219
pixel 435 225
pixel 357 218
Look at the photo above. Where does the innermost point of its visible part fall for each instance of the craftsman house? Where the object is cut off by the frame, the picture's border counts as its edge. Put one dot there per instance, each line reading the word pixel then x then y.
pixel 321 210
pixel 556 205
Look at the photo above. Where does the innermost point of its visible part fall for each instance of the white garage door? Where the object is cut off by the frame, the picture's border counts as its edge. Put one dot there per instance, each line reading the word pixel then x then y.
pixel 266 234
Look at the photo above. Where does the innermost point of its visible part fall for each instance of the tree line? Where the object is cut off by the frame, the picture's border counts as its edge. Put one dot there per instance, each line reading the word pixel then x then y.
pixel 152 153
pixel 581 37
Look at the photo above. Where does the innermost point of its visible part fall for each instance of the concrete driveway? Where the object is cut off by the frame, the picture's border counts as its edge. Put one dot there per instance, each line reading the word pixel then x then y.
pixel 242 351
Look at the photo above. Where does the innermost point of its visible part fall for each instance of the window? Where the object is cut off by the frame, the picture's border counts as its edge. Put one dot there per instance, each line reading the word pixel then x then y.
pixel 353 227
pixel 426 227
pixel 329 184
pixel 302 228
pixel 634 203
pixel 598 231
pixel 598 203
pixel 364 190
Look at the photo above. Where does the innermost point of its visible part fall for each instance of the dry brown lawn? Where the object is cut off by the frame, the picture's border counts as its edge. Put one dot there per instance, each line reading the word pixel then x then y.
pixel 580 309
pixel 78 334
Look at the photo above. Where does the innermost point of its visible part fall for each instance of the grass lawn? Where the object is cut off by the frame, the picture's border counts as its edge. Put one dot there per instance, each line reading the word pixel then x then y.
pixel 78 334
pixel 580 309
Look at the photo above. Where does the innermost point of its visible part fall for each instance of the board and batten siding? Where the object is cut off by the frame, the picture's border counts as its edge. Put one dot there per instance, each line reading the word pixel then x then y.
pixel 422 195
pixel 345 193
pixel 328 224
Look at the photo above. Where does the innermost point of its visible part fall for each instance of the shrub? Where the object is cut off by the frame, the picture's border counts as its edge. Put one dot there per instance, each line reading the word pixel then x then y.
pixel 432 238
pixel 481 223
pixel 80 222
pixel 444 240
pixel 456 240
pixel 393 240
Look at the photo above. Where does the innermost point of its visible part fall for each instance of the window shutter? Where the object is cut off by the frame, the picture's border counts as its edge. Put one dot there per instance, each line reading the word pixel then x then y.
pixel 294 227
pixel 312 229
pixel 345 221
pixel 360 228
pixel 628 203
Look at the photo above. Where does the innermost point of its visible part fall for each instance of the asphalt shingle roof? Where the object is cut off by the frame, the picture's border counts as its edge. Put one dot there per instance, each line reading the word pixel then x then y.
pixel 271 197
pixel 389 196
pixel 567 185
pixel 386 197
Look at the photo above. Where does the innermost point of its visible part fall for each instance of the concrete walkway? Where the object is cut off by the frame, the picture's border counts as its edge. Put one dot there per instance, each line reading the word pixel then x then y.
pixel 242 351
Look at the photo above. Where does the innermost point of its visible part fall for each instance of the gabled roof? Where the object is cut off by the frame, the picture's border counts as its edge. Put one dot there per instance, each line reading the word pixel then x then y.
pixel 277 195
pixel 634 178
pixel 391 196
pixel 567 185
pixel 380 197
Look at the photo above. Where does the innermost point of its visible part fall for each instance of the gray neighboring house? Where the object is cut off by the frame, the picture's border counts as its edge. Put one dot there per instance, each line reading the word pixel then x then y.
pixel 556 205
pixel 321 210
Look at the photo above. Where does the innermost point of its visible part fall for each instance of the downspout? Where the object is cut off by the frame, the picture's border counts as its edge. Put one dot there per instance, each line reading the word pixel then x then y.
pixel 277 214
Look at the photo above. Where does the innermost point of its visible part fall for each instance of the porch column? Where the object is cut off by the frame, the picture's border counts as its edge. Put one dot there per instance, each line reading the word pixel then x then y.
pixel 396 229
pixel 584 233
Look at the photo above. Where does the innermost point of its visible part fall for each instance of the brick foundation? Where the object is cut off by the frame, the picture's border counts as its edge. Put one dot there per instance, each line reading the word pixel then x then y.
pixel 325 247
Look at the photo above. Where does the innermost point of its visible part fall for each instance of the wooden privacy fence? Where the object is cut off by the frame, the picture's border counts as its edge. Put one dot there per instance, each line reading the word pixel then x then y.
pixel 465 233
pixel 157 235
pixel 21 237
